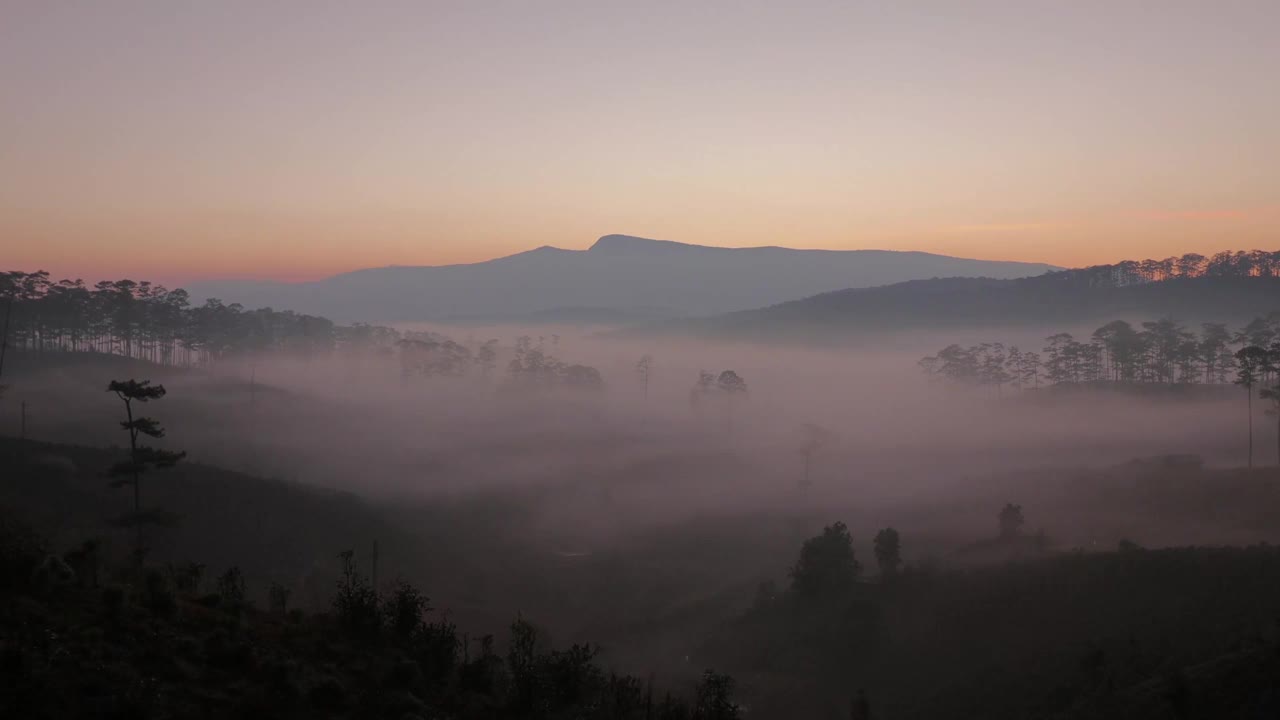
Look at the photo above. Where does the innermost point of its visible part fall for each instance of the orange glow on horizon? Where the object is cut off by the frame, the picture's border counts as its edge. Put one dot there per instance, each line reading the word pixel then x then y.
pixel 300 253
pixel 344 137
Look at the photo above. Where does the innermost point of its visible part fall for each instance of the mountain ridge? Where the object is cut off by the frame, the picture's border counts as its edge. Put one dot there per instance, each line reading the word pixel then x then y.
pixel 617 273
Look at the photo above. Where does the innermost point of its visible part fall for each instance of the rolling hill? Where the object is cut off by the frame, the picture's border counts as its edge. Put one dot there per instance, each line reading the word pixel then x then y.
pixel 1052 300
pixel 617 277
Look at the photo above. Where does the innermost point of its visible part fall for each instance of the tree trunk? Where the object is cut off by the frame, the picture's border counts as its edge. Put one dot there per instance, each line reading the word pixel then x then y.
pixel 1249 389
pixel 4 337
pixel 137 484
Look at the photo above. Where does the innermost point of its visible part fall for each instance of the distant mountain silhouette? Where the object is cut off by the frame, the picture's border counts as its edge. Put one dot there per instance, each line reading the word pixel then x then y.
pixel 618 277
pixel 1055 300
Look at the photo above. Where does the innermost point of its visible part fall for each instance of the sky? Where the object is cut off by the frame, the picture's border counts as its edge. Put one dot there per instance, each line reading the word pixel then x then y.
pixel 183 140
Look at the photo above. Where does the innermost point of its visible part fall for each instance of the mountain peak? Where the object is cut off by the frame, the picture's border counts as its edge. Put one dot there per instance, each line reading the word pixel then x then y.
pixel 632 245
pixel 617 273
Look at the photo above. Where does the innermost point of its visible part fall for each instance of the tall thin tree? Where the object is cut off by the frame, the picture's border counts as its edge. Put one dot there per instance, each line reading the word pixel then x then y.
pixel 4 338
pixel 644 369
pixel 141 457
pixel 888 546
pixel 1249 363
pixel 1272 395
pixel 815 437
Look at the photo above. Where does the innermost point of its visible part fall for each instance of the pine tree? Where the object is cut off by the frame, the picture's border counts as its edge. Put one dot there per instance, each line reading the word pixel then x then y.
pixel 1249 364
pixel 141 457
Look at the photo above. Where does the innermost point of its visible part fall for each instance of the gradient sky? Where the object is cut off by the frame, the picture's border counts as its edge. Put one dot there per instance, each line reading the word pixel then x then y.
pixel 179 139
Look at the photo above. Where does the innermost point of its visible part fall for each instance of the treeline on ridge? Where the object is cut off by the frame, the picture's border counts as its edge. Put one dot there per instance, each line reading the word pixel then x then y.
pixel 151 322
pixel 1162 351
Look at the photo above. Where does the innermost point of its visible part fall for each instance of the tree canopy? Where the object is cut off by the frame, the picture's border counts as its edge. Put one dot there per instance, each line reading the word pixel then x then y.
pixel 827 565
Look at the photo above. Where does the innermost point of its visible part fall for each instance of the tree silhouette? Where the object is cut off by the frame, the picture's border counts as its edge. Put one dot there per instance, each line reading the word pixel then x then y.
pixel 1013 367
pixel 644 369
pixel 1214 342
pixel 403 609
pixel 888 552
pixel 432 354
pixel 726 389
pixel 1061 358
pixel 231 590
pixel 141 457
pixel 1162 352
pixel 1271 366
pixel 827 564
pixel 991 369
pixel 531 368
pixel 702 389
pixel 4 338
pixel 1272 395
pixel 487 358
pixel 1259 331
pixel 1124 350
pixel 522 658
pixel 1166 342
pixel 731 384
pixel 713 699
pixel 731 388
pixel 956 363
pixel 150 322
pixel 581 377
pixel 356 603
pixel 1250 362
pixel 815 436
pixel 1011 521
pixel 1029 369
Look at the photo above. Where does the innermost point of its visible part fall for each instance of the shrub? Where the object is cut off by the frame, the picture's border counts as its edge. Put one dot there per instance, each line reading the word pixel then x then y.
pixel 157 595
pixel 85 561
pixel 356 604
pixel 231 588
pixel 437 650
pixel 403 610
pixel 572 674
pixel 52 575
pixel 713 698
pixel 186 578
pixel 278 599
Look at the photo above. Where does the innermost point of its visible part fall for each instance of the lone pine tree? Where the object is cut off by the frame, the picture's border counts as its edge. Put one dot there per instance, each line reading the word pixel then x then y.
pixel 128 473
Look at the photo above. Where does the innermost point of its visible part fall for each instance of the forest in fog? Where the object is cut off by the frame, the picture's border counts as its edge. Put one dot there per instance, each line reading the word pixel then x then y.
pixel 558 521
pixel 639 361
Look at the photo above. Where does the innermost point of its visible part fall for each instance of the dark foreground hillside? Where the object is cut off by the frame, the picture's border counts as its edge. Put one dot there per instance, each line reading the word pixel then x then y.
pixel 1187 633
pixel 217 624
pixel 1177 633
pixel 79 638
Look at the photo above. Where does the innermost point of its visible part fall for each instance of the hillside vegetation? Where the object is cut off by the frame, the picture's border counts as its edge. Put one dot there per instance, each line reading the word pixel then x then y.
pixel 1229 287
